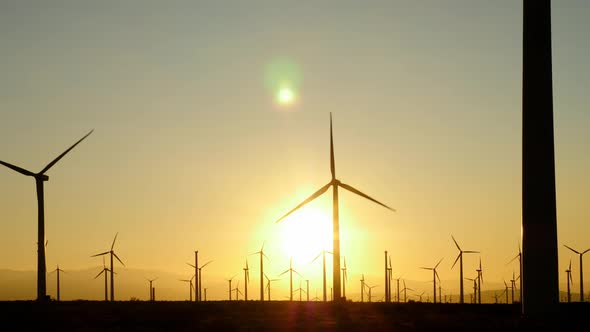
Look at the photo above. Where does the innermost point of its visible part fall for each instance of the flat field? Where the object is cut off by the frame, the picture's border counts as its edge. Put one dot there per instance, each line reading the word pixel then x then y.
pixel 280 316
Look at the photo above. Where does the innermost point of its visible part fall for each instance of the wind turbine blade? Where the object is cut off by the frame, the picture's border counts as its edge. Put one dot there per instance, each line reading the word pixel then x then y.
pixel 309 199
pixel 298 273
pixel 18 169
pixel 515 257
pixel 456 259
pixel 115 239
pixel 470 252
pixel 117 257
pixel 284 272
pixel 577 252
pixel 585 251
pixel 332 165
pixel 456 242
pixel 202 266
pixel 98 275
pixel 438 263
pixel 63 154
pixel 390 262
pixel 104 253
pixel 426 268
pixel 356 191
pixel 189 264
pixel 316 257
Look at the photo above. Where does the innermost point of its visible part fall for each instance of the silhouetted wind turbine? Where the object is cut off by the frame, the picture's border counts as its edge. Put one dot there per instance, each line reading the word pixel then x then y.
pixel 307 289
pixel 506 291
pixel 405 291
pixel 268 284
pixel 389 277
pixel 323 254
pixel 434 276
pixel 474 299
pixel 229 288
pixel 58 270
pixel 568 273
pixel 262 255
pixel 39 179
pixel 397 288
pixel 460 258
pixel 344 279
pixel 112 253
pixel 104 270
pixel 151 288
pixel 246 280
pixel 190 287
pixel 479 281
pixel 370 290
pixel 580 254
pixel 363 288
pixel 290 270
pixel 198 279
pixel 334 183
pixel 238 291
pixel 513 284
pixel 519 256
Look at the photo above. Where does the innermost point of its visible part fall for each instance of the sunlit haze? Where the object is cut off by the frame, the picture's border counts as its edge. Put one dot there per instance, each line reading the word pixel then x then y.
pixel 211 122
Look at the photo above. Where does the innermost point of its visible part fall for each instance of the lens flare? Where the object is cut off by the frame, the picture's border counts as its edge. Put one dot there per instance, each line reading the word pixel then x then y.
pixel 285 96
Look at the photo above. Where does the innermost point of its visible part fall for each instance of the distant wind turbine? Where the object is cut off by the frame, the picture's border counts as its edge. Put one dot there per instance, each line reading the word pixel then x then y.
pixel 334 183
pixel 479 281
pixel 262 256
pixel 151 288
pixel 363 288
pixel 290 270
pixel 268 285
pixel 229 288
pixel 405 291
pixel 112 253
pixel 434 276
pixel 246 281
pixel 370 291
pixel 460 258
pixel 387 279
pixel 198 280
pixel 104 270
pixel 519 256
pixel 513 284
pixel 580 254
pixel 40 178
pixel 58 270
pixel 474 298
pixel 323 254
pixel 568 273
pixel 190 287
pixel 344 279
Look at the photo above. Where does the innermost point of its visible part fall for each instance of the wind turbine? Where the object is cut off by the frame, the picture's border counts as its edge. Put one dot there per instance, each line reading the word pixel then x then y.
pixel 370 289
pixel 362 288
pixel 474 299
pixel 513 284
pixel 58 270
pixel 198 280
pixel 290 270
pixel 569 280
pixel 238 291
pixel 112 253
pixel 397 288
pixel 262 255
pixel 387 286
pixel 230 289
pixel 580 254
pixel 434 276
pixel 506 291
pixel 151 288
pixel 246 280
pixel 519 256
pixel 344 279
pixel 389 277
pixel 104 270
pixel 190 287
pixel 307 288
pixel 268 285
pixel 479 281
pixel 40 178
pixel 460 258
pixel 323 254
pixel 419 296
pixel 334 183
pixel 405 290
pixel 300 289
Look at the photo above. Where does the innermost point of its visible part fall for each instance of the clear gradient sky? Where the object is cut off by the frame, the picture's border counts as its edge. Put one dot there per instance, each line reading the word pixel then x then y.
pixel 192 151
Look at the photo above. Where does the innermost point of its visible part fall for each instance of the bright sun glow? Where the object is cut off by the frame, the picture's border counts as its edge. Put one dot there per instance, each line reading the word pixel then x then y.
pixel 306 233
pixel 285 96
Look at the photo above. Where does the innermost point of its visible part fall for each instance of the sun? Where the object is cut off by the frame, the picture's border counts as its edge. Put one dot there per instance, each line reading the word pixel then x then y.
pixel 285 96
pixel 306 233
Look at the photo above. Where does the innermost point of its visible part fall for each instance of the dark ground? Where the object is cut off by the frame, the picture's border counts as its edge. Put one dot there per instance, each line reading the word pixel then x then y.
pixel 280 316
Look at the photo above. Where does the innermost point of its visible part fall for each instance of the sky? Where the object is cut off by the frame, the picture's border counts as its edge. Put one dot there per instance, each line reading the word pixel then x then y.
pixel 211 121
